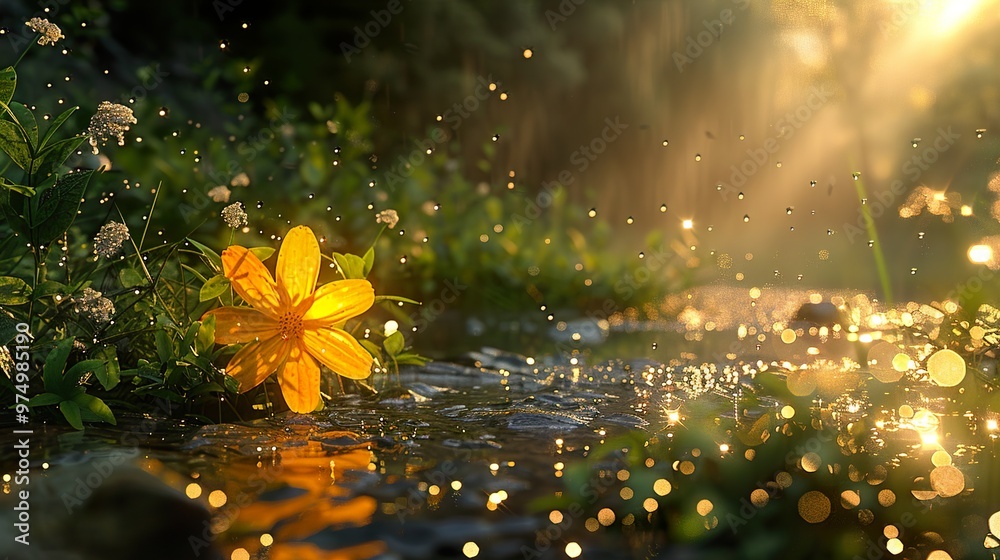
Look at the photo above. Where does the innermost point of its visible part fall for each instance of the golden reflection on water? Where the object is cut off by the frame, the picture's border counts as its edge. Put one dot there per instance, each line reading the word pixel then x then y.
pixel 312 477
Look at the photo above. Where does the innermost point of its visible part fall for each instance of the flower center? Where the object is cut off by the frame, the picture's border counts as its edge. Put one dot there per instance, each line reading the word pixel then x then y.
pixel 290 325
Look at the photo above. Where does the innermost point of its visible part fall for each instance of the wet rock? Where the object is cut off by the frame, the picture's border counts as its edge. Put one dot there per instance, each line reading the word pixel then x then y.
pixel 590 331
pixel 627 420
pixel 822 314
pixel 470 444
pixel 540 421
pixel 107 511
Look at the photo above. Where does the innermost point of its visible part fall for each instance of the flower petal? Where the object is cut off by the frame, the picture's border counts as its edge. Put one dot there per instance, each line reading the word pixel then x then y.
pixel 340 300
pixel 298 264
pixel 299 380
pixel 234 325
pixel 251 280
pixel 255 361
pixel 338 351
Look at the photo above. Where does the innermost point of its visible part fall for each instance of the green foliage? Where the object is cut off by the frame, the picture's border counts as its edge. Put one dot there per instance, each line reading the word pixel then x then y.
pixel 127 330
pixel 63 387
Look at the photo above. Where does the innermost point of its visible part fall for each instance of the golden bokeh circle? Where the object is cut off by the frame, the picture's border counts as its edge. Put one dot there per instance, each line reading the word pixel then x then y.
pixel 947 481
pixel 759 497
pixel 814 507
pixel 946 368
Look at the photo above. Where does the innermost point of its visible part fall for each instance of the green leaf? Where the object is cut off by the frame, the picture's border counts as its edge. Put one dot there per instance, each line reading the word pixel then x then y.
pixel 8 328
pixel 210 387
pixel 410 358
pixel 71 411
pixel 8 81
pixel 369 260
pixel 352 266
pixel 12 208
pixel 371 347
pixel 110 374
pixel 394 343
pixel 50 288
pixel 206 336
pixel 130 278
pixel 45 399
pixel 262 253
pixel 58 205
pixel 189 335
pixel 14 145
pixel 56 123
pixel 27 191
pixel 213 258
pixel 27 121
pixel 14 291
pixel 54 156
pixel 76 371
pixel 164 350
pixel 396 298
pixel 95 406
pixel 215 287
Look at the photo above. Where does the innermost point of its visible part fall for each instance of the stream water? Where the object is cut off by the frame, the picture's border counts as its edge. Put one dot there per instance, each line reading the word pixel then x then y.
pixel 494 454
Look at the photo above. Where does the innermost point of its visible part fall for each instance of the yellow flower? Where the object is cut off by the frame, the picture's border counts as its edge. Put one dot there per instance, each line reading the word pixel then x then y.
pixel 293 324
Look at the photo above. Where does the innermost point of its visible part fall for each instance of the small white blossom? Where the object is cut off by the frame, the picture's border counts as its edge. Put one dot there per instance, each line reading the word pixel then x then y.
pixel 92 304
pixel 110 238
pixel 234 215
pixel 387 217
pixel 50 32
pixel 111 121
pixel 220 193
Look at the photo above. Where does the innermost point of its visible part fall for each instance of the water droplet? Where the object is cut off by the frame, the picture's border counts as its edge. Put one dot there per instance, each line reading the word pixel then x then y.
pixel 260 204
pixel 629 220
pixel 592 213
pixel 746 217
pixel 914 142
pixel 742 137
pixel 496 137
pixel 980 132
pixel 812 184
pixel 740 196
pixel 856 175
pixel 697 157
pixel 663 208
pixel 642 255
pixel 789 210
pixel 666 142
